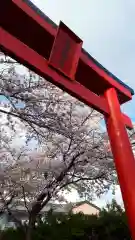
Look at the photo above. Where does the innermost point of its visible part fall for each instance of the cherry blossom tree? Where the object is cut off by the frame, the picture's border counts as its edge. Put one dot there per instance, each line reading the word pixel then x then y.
pixel 49 143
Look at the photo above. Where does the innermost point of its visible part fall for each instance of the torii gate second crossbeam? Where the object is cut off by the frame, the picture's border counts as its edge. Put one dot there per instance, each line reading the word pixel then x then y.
pixel 56 54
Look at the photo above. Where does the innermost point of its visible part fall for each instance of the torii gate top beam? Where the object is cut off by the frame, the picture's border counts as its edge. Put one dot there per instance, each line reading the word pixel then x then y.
pixel 84 53
pixel 37 31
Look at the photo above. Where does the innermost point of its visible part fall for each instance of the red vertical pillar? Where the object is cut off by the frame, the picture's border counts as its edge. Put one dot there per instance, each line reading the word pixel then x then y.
pixel 123 156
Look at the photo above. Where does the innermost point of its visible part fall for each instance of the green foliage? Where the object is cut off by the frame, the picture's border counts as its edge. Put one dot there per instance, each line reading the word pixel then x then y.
pixel 111 224
pixel 12 234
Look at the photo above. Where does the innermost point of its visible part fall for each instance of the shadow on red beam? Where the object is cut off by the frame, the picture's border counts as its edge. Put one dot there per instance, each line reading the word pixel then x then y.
pixel 32 29
pixel 22 53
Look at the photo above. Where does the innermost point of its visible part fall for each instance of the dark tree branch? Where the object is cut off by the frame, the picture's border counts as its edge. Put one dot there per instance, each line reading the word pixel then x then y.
pixel 25 201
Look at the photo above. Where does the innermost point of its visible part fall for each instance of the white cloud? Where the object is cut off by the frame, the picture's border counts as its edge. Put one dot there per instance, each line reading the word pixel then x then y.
pixel 107 198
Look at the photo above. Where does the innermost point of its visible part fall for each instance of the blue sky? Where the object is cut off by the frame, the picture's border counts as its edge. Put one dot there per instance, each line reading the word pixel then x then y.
pixel 107 30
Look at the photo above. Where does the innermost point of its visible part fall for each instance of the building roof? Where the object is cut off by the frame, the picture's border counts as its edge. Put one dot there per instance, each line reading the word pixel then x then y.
pixel 86 202
pixel 47 19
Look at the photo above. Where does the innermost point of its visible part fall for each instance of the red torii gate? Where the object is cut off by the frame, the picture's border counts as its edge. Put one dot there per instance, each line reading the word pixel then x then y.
pixel 56 54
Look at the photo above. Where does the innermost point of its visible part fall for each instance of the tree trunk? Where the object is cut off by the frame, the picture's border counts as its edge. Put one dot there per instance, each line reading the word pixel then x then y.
pixel 30 229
